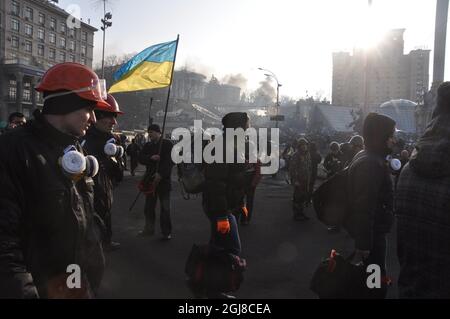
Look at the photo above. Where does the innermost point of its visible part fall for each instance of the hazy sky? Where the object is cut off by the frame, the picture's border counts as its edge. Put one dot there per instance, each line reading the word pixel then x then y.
pixel 292 38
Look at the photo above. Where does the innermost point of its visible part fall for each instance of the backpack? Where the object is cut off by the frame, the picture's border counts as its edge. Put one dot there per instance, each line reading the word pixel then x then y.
pixel 191 175
pixel 330 199
pixel 336 278
pixel 211 270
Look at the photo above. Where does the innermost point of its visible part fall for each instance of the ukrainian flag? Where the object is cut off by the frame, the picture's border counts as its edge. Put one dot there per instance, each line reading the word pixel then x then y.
pixel 150 69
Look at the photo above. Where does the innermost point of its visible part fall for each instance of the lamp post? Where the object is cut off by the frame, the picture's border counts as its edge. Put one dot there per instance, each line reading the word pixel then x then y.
pixel 272 75
pixel 106 23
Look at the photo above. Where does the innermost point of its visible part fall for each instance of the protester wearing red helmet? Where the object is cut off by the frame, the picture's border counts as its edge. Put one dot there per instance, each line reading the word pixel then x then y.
pixel 101 143
pixel 48 225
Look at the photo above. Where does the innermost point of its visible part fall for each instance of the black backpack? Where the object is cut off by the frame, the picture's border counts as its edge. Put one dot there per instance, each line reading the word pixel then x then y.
pixel 211 270
pixel 330 200
pixel 336 278
pixel 191 175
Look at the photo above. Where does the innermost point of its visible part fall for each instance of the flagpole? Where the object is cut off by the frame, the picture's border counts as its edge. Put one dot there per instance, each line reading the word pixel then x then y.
pixel 147 178
pixel 168 96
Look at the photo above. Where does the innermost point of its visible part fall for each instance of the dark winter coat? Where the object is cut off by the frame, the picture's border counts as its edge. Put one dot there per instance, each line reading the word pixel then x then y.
pixel 165 165
pixel 47 221
pixel 370 192
pixel 423 216
pixel 110 171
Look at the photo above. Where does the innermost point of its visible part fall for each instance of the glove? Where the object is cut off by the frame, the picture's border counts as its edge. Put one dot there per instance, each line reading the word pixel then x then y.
pixel 223 225
pixel 244 211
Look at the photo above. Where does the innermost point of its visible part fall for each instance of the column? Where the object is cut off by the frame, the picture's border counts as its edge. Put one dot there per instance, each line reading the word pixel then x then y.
pixel 19 99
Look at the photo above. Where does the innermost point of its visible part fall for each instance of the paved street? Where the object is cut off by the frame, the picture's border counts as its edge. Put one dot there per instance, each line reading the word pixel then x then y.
pixel 281 253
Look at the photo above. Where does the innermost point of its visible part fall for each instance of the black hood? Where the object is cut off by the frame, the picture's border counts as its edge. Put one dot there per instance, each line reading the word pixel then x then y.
pixel 431 157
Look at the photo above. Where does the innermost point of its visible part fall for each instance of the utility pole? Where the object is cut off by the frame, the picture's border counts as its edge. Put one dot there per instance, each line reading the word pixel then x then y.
pixel 106 23
pixel 440 37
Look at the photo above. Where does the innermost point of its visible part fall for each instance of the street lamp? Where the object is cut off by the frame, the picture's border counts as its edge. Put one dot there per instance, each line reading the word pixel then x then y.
pixel 270 74
pixel 106 23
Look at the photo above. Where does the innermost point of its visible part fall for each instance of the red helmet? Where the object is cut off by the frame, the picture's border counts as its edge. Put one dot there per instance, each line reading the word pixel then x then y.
pixel 114 106
pixel 74 78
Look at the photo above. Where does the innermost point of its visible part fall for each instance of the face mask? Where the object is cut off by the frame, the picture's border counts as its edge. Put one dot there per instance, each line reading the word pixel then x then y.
pixel 111 149
pixel 394 163
pixel 76 166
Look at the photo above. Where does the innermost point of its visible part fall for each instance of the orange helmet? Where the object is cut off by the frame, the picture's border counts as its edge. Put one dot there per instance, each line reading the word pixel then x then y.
pixel 74 78
pixel 114 106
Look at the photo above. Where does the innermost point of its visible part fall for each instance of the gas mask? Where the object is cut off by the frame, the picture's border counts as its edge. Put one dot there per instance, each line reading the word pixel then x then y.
pixel 111 149
pixel 394 163
pixel 76 166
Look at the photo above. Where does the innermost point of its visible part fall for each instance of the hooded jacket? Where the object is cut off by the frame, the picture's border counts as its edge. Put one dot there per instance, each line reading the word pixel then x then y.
pixel 423 213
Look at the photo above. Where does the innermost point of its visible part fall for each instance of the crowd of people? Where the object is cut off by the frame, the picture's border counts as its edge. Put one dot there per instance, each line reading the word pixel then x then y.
pixel 58 172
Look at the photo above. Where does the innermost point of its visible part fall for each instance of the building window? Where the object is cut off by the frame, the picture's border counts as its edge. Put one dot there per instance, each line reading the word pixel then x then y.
pixel 28 46
pixel 15 8
pixel 41 34
pixel 62 42
pixel 53 24
pixel 41 49
pixel 72 33
pixel 29 29
pixel 12 89
pixel 39 97
pixel 83 61
pixel 84 36
pixel 72 45
pixel 83 50
pixel 29 13
pixel 52 38
pixel 72 58
pixel 15 41
pixel 13 57
pixel 15 26
pixel 26 91
pixel 62 56
pixel 63 27
pixel 52 53
pixel 41 18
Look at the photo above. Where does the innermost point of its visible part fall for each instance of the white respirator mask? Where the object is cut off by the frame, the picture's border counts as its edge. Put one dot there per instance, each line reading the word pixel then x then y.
pixel 75 165
pixel 112 149
pixel 394 163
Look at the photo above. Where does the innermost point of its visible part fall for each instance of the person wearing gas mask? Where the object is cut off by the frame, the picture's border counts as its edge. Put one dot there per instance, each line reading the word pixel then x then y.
pixel 157 179
pixel 101 143
pixel 48 226
pixel 370 192
pixel 422 207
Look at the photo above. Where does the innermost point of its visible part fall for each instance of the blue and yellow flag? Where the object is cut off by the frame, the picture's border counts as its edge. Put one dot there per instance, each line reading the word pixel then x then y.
pixel 150 69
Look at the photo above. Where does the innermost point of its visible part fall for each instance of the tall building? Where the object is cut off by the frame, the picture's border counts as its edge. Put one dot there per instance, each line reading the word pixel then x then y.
pixel 381 74
pixel 34 35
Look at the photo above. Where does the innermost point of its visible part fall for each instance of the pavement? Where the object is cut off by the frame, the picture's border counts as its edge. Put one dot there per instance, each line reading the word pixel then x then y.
pixel 281 253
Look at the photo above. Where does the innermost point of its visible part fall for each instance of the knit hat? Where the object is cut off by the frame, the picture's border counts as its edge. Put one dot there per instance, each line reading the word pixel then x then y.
pixel 235 120
pixel 65 104
pixel 154 128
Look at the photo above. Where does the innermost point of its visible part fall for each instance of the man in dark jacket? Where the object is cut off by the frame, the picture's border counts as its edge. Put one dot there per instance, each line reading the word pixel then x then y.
pixel 333 161
pixel 423 210
pixel 371 193
pixel 47 220
pixel 157 176
pixel 133 152
pixel 110 170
